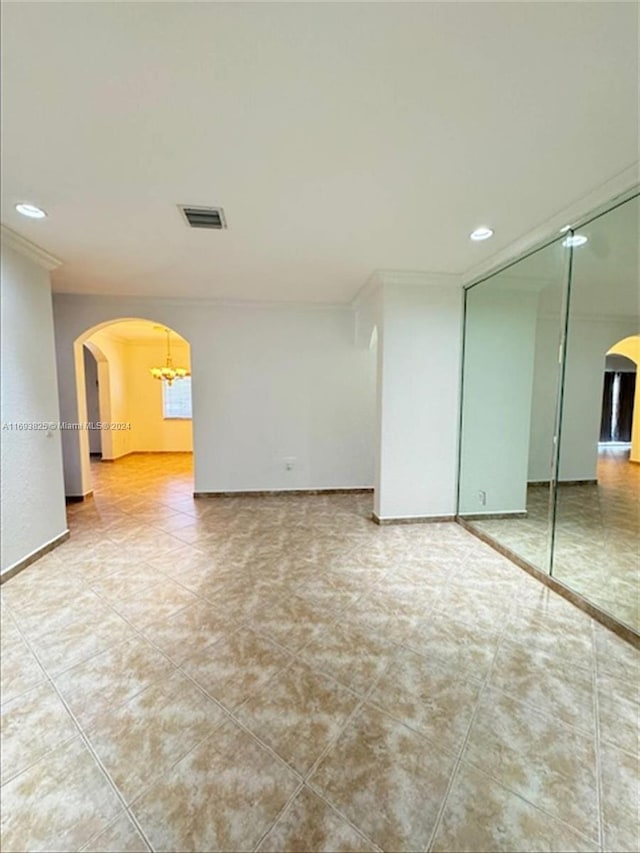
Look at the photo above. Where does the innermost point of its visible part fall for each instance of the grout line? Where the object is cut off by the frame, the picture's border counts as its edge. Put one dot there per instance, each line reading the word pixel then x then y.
pixel 129 816
pixel 362 698
pixel 362 701
pixel 288 804
pixel 48 752
pixel 87 744
pixel 481 692
pixel 575 830
pixel 596 714
pixel 321 795
pixel 488 686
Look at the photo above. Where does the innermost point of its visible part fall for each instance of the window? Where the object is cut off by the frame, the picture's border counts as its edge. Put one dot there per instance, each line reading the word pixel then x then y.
pixel 176 398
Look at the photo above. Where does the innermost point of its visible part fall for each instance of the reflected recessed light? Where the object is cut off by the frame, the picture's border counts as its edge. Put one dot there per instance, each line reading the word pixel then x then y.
pixel 575 240
pixel 481 233
pixel 31 211
pixel 565 228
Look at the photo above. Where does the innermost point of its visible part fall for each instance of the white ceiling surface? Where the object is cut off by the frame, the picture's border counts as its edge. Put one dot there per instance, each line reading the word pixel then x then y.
pixel 339 139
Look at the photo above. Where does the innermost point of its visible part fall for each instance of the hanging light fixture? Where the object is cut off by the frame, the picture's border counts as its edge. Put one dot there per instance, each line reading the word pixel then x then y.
pixel 168 372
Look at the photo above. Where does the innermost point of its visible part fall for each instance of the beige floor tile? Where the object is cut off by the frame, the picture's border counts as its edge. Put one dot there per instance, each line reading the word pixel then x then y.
pixel 620 798
pixel 616 657
pixel 476 602
pixel 9 633
pixel 189 630
pixel 427 697
pixel 236 666
pixel 619 712
pixel 119 837
pixel 57 804
pixel 241 599
pixel 353 656
pixel 149 544
pixel 111 678
pixel 104 559
pixel 142 739
pixel 545 761
pixel 155 602
pixel 293 622
pixel 563 635
pixel 455 641
pixel 311 573
pixel 19 670
pixel 532 676
pixel 32 725
pixel 128 582
pixel 373 613
pixel 222 796
pixel 44 616
pixel 388 780
pixel 298 714
pixel 309 825
pixel 332 590
pixel 481 815
pixel 44 586
pixel 81 639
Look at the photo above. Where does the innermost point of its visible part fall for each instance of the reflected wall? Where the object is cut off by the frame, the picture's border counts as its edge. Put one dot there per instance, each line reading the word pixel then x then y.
pixel 534 476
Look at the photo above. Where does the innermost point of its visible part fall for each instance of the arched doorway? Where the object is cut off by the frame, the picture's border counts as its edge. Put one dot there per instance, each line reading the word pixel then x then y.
pixel 621 400
pixel 139 414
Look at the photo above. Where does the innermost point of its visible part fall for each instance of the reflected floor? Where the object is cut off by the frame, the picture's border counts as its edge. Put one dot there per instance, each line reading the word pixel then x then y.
pixel 278 673
pixel 597 547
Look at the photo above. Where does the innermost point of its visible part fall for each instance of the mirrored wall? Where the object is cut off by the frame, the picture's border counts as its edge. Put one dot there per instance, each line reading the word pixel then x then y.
pixel 550 432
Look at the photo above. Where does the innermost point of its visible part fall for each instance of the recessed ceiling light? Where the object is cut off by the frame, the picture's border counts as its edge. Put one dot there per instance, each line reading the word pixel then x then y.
pixel 31 211
pixel 482 233
pixel 574 240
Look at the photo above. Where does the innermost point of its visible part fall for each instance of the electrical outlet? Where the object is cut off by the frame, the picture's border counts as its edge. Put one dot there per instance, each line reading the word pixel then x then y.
pixel 482 497
pixel 289 463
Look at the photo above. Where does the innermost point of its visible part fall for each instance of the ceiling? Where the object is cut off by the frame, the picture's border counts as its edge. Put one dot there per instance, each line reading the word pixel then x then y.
pixel 339 138
pixel 604 272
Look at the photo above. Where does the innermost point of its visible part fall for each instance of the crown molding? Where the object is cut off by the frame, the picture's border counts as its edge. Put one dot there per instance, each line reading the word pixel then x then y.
pixel 144 302
pixel 371 285
pixel 420 278
pixel 28 249
pixel 621 187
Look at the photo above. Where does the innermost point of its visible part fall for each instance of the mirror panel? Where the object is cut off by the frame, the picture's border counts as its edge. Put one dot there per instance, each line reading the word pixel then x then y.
pixel 550 419
pixel 513 330
pixel 597 536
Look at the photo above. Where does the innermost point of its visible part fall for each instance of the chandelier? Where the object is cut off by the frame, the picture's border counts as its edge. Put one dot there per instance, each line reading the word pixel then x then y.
pixel 168 372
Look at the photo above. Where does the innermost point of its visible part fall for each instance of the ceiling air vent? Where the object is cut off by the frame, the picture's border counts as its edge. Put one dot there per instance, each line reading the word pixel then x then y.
pixel 203 217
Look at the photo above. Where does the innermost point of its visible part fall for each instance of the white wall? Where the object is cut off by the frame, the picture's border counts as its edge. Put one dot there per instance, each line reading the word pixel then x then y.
pixel 269 382
pixel 32 493
pixel 499 349
pixel 419 373
pixel 150 431
pixel 544 398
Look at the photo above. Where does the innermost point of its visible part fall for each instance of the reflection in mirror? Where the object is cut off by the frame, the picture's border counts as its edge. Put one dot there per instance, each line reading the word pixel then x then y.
pixel 513 329
pixel 597 537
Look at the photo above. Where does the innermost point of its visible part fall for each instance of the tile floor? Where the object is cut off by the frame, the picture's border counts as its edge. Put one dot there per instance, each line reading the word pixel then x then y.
pixel 279 674
pixel 597 542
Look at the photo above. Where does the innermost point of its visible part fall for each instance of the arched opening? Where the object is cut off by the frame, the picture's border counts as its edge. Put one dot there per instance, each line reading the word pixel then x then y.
pixel 127 415
pixel 620 423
